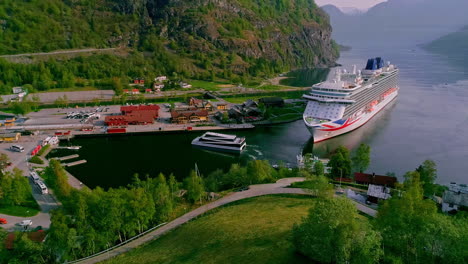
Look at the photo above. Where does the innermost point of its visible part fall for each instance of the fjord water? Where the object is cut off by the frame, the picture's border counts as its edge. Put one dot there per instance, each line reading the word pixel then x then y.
pixel 429 120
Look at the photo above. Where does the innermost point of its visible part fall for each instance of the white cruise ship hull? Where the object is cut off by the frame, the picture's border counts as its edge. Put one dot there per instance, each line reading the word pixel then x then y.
pixel 324 131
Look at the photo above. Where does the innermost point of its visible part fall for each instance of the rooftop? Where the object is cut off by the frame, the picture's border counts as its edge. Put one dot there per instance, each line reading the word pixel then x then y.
pixel 375 179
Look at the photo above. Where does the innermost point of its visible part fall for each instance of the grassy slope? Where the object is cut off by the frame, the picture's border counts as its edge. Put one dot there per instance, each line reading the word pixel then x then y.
pixel 29 208
pixel 256 230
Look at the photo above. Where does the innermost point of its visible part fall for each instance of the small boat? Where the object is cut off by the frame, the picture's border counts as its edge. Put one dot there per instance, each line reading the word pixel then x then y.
pixel 74 147
pixel 221 142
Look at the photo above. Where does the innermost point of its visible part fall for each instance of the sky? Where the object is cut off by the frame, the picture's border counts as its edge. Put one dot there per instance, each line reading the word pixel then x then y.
pixel 360 4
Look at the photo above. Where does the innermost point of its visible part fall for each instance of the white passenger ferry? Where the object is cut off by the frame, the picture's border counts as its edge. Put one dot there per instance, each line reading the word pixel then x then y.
pixel 222 142
pixel 350 100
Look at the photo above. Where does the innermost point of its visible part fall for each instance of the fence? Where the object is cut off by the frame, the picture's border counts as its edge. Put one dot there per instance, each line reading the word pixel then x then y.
pixel 116 246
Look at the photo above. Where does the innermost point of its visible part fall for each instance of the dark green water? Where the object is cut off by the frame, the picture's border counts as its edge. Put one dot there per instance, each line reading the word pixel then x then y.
pixel 112 161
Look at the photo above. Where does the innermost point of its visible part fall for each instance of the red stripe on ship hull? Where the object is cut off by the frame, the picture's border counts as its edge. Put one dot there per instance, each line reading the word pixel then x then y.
pixel 347 124
pixel 325 139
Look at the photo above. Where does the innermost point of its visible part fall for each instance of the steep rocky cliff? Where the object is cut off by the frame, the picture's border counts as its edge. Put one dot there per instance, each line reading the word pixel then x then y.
pixel 288 33
pixel 234 37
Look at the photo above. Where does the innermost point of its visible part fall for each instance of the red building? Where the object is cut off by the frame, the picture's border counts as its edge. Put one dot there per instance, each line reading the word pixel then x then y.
pixel 131 109
pixel 364 178
pixel 139 81
pixel 133 115
pixel 141 118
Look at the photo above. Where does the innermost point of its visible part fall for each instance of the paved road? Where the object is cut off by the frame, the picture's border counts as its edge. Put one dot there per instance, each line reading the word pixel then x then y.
pixel 255 190
pixel 55 52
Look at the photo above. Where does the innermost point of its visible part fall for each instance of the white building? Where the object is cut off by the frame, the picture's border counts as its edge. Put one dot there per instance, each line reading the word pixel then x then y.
pixel 18 90
pixel 158 86
pixel 454 197
pixel 378 192
pixel 160 79
pixel 185 85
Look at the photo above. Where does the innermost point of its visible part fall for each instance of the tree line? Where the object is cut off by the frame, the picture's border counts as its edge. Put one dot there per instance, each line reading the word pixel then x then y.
pixel 342 164
pixel 92 220
pixel 408 229
pixel 14 187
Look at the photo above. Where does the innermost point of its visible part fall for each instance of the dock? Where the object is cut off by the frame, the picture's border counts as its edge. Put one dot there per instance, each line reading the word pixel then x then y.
pixel 70 147
pixel 74 163
pixel 74 156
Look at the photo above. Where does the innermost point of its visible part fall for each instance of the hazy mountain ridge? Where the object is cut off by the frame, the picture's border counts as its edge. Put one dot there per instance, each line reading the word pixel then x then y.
pixel 418 21
pixel 454 46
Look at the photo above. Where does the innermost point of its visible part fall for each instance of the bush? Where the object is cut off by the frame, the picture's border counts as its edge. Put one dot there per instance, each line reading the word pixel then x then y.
pixel 43 150
pixel 36 160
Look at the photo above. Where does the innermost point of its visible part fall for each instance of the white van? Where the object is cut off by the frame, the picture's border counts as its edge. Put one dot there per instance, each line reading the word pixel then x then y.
pixel 34 176
pixel 43 187
pixel 17 148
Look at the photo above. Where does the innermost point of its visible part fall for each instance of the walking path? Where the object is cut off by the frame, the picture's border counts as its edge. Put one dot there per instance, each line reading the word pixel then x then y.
pixel 255 190
pixel 56 52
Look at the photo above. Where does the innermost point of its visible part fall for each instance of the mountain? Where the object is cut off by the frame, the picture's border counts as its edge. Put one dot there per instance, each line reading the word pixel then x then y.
pixel 452 46
pixel 192 37
pixel 411 21
pixel 352 10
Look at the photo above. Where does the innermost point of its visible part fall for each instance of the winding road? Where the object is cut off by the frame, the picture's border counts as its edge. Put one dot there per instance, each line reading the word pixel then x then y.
pixel 57 52
pixel 280 187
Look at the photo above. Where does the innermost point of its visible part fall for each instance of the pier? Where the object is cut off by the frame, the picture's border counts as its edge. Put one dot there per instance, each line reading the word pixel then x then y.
pixel 74 163
pixel 74 156
pixel 70 147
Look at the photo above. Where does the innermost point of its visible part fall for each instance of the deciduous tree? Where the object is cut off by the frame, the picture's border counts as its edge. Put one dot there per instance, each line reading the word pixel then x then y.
pixel 361 158
pixel 428 174
pixel 195 188
pixel 333 232
pixel 340 163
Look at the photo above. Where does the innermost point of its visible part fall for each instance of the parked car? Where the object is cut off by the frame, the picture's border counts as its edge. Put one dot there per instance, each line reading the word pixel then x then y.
pixel 241 189
pixel 25 223
pixel 3 221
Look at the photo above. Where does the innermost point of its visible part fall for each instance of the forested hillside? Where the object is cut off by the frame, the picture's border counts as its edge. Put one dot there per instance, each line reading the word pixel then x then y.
pixel 202 39
pixel 452 46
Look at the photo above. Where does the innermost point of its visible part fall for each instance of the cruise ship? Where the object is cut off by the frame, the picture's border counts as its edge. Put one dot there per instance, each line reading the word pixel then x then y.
pixel 222 142
pixel 350 99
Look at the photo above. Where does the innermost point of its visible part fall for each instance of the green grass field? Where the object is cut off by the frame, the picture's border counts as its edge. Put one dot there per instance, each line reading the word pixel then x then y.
pixel 209 86
pixel 19 211
pixel 256 230
pixel 71 89
pixel 28 209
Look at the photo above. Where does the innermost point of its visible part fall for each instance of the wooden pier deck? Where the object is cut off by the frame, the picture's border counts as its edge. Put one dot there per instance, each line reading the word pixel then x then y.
pixel 74 163
pixel 74 156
